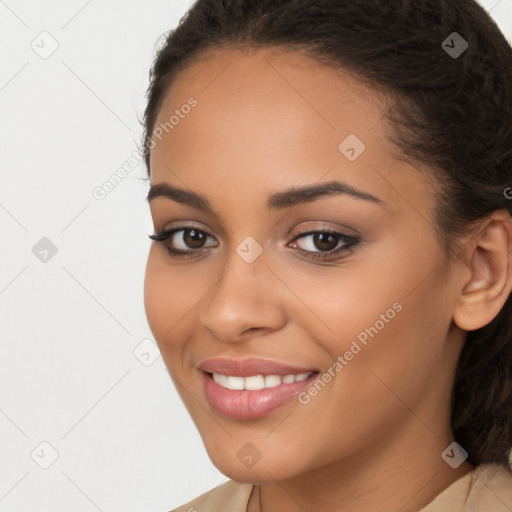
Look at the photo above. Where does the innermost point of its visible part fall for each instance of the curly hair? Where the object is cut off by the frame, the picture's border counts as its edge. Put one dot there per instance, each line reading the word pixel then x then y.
pixel 450 114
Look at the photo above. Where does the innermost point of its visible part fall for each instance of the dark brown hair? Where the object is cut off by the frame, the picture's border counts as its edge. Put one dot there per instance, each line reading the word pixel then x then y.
pixel 452 113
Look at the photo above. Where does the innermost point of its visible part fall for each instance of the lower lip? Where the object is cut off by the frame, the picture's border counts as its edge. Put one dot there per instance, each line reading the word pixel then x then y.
pixel 247 405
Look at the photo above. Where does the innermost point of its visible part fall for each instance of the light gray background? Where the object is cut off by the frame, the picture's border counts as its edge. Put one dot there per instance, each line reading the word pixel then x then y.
pixel 78 367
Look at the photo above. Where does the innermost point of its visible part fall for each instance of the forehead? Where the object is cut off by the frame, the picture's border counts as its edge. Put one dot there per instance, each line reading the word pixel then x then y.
pixel 271 81
pixel 265 94
pixel 266 119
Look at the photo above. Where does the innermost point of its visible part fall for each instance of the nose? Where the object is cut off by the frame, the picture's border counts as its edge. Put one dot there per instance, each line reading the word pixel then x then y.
pixel 244 297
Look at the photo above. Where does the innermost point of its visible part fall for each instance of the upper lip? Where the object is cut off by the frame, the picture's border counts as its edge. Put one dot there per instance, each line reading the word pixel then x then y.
pixel 249 366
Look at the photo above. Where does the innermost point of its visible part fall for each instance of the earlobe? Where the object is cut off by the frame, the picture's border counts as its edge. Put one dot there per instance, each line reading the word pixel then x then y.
pixel 483 295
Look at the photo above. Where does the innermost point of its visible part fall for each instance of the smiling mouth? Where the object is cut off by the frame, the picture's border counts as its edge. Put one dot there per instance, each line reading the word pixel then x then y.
pixel 257 382
pixel 252 396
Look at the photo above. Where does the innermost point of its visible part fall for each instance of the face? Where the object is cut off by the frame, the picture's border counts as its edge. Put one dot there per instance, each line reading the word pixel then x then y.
pixel 351 284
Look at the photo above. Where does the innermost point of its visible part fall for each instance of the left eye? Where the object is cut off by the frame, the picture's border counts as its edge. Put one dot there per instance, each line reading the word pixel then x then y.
pixel 321 240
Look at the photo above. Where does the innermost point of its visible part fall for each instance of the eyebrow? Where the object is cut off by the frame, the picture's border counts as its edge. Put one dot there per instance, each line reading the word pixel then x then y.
pixel 277 201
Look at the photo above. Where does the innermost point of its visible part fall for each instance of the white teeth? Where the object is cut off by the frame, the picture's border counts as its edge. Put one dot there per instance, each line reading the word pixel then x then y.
pixel 256 382
pixel 235 382
pixel 220 379
pixel 271 381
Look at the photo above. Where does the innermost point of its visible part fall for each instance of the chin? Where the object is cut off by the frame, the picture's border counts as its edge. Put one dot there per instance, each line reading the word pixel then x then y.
pixel 263 471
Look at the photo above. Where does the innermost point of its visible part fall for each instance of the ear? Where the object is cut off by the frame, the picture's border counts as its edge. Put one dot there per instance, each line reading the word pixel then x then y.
pixel 489 262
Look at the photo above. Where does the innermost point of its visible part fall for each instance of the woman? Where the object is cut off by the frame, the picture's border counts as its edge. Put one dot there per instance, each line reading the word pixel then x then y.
pixel 330 279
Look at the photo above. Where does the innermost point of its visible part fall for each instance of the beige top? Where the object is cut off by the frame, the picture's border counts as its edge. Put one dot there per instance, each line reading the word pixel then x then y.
pixel 488 488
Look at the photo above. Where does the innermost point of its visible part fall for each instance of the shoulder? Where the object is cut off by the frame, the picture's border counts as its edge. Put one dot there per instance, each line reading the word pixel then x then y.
pixel 491 488
pixel 228 497
pixel 487 487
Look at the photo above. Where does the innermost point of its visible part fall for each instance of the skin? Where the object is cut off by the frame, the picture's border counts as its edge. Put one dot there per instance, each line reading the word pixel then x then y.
pixel 372 438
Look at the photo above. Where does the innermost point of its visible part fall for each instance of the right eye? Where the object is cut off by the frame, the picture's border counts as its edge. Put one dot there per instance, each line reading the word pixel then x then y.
pixel 190 241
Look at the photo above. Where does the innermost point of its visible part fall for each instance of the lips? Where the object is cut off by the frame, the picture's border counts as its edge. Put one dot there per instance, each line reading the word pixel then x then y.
pixel 249 404
pixel 251 366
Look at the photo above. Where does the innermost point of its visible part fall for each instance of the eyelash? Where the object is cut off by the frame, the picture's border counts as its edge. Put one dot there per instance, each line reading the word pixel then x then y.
pixel 350 243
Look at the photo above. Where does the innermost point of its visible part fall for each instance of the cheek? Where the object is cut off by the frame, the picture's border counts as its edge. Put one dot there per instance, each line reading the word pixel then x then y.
pixel 387 318
pixel 156 301
pixel 385 379
pixel 392 292
pixel 167 300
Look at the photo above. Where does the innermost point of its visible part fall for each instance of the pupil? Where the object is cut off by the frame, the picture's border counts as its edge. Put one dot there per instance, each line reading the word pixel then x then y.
pixel 322 238
pixel 194 238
